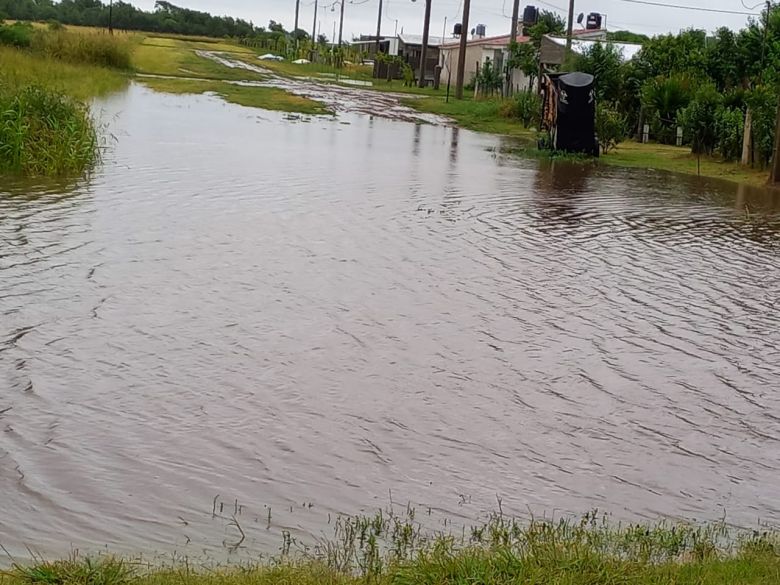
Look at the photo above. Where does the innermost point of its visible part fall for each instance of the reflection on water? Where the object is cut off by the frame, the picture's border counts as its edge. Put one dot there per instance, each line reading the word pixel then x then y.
pixel 308 311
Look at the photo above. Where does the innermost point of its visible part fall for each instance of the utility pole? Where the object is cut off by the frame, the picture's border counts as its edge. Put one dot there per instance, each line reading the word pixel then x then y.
pixel 111 17
pixel 424 50
pixel 341 21
pixel 295 28
pixel 569 29
pixel 464 37
pixel 515 11
pixel 378 28
pixel 314 29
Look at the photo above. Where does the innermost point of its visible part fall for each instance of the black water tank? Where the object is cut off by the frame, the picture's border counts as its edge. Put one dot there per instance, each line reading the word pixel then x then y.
pixel 457 29
pixel 530 15
pixel 480 30
pixel 594 21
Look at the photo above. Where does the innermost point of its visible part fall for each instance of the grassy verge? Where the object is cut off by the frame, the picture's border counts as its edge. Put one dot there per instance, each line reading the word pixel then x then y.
pixel 23 68
pixel 177 57
pixel 46 128
pixel 480 115
pixel 388 550
pixel 268 98
pixel 680 160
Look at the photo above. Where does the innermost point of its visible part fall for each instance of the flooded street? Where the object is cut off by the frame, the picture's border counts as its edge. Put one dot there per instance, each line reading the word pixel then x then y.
pixel 246 311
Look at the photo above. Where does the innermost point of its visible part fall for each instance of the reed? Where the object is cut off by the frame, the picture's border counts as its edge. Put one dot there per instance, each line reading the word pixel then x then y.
pixel 45 133
pixel 394 549
pixel 98 49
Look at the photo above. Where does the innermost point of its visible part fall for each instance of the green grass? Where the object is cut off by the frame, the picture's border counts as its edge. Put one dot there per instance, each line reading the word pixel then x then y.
pixel 23 68
pixel 178 58
pixel 680 160
pixel 482 115
pixel 390 550
pixel 44 133
pixel 99 49
pixel 269 98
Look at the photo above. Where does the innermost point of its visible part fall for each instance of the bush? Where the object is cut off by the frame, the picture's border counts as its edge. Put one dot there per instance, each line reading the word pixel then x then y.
pixel 763 105
pixel 44 133
pixel 92 49
pixel 525 106
pixel 611 128
pixel 16 35
pixel 664 97
pixel 729 128
pixel 698 119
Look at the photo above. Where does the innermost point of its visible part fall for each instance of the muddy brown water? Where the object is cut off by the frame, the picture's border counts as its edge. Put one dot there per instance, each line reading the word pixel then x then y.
pixel 316 315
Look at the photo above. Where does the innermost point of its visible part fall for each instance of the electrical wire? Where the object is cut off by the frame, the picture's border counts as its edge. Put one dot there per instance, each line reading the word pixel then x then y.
pixel 683 7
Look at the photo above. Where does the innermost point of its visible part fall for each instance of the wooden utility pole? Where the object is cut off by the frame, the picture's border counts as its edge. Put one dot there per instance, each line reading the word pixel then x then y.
pixel 774 174
pixel 341 21
pixel 111 17
pixel 569 29
pixel 314 29
pixel 424 50
pixel 297 9
pixel 464 37
pixel 378 28
pixel 515 12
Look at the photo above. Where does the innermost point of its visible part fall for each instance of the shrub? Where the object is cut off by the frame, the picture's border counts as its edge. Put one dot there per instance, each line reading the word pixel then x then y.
pixel 525 106
pixel 763 105
pixel 611 127
pixel 93 49
pixel 16 35
pixel 44 133
pixel 664 97
pixel 729 128
pixel 698 119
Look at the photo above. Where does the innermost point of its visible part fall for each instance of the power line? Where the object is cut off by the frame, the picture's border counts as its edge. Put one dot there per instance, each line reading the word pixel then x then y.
pixel 683 7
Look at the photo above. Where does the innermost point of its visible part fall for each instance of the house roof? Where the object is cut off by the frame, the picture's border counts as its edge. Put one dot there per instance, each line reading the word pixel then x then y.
pixel 503 40
pixel 628 50
pixel 408 39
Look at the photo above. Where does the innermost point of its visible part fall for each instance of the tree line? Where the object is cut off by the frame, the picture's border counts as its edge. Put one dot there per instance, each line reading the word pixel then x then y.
pixel 721 90
pixel 165 18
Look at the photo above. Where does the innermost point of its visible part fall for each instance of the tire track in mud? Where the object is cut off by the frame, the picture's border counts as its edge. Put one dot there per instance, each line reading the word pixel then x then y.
pixel 338 98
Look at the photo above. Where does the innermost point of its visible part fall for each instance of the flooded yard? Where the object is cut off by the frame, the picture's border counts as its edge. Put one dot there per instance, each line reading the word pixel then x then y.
pixel 283 318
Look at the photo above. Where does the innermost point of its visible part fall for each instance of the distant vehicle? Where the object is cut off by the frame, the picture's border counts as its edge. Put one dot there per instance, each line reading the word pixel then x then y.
pixel 569 112
pixel 270 57
pixel 301 61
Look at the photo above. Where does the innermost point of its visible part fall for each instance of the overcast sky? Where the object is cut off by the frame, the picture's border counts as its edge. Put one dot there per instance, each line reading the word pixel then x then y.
pixel 360 16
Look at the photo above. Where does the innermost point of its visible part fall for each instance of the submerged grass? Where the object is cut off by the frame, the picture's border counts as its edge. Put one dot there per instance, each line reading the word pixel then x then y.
pixel 44 133
pixel 386 549
pixel 268 98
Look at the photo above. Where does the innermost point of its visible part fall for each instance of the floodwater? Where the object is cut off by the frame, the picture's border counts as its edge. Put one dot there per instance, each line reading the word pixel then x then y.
pixel 246 311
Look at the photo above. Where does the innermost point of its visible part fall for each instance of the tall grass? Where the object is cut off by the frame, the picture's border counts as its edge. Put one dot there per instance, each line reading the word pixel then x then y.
pixel 45 133
pixel 387 549
pixel 92 49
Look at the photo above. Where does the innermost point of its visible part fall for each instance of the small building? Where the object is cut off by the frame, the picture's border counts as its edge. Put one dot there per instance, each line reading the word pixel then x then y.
pixel 481 49
pixel 367 44
pixel 410 50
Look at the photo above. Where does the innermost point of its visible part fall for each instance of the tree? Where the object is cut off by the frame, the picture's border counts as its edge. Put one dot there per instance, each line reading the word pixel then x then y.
pixel 549 23
pixel 525 57
pixel 625 36
pixel 603 61
pixel 663 98
pixel 700 117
